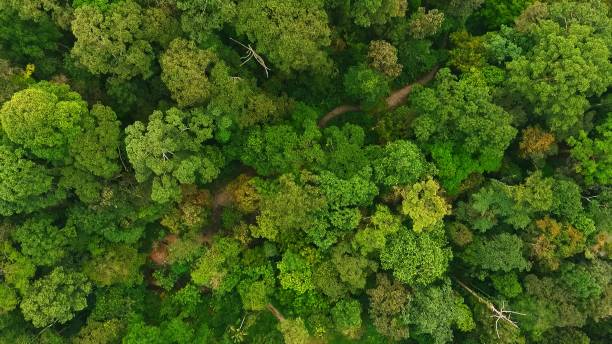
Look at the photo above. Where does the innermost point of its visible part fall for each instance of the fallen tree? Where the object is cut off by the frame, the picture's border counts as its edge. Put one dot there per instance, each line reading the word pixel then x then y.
pixel 396 99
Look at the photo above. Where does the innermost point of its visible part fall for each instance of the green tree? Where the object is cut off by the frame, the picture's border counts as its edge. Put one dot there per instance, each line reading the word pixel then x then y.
pixel 435 311
pixel 27 41
pixel 416 259
pixel 399 163
pixel 45 119
pixel 118 265
pixel 567 64
pixel 95 332
pixel 199 17
pixel 294 331
pixel 171 150
pixel 277 149
pixel 112 41
pixel 291 33
pixel 347 317
pixel 216 268
pixel 365 85
pixel 461 127
pixel 499 253
pixel 593 156
pixel 8 299
pixel 25 186
pixel 55 297
pixel 423 205
pixel 516 205
pixel 185 70
pixel 295 273
pixel 42 241
pixel 377 12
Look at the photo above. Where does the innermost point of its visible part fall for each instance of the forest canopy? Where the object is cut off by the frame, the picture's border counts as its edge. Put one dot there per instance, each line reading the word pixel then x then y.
pixel 305 172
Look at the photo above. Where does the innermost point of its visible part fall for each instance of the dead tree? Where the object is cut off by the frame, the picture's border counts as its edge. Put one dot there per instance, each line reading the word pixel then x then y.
pixel 252 54
pixel 498 313
pixel 395 99
pixel 277 314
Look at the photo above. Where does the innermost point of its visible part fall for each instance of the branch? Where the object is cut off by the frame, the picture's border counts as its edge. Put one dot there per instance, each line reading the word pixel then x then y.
pixel 498 313
pixel 275 312
pixel 251 53
pixel 396 99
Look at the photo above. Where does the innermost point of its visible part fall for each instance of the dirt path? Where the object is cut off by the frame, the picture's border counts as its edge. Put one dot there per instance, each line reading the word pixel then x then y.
pixel 396 99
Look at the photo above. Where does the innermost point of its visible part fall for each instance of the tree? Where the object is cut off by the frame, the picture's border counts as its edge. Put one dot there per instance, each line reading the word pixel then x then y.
pixel 42 241
pixel 516 205
pixel 435 310
pixel 288 210
pixel 416 259
pixel 199 17
pixel 460 126
pixel 24 185
pixel 592 155
pixel 366 86
pixel 295 273
pixel 382 57
pixel 537 144
pixel 100 332
pixel 292 34
pixel 501 252
pixel 423 205
pixel 185 70
pixel 8 299
pixel 568 63
pixel 551 242
pixel 171 150
pixel 294 331
pixel 425 23
pixel 399 163
pixel 278 149
pixel 55 297
pixel 27 41
pixel 493 14
pixel 112 41
pixel 347 317
pixel 378 12
pixel 216 267
pixel 45 119
pixel 382 225
pixel 118 265
pixel 388 301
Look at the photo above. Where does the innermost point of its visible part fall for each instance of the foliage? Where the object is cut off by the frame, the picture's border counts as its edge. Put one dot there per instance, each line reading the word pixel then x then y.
pixel 383 58
pixel 378 12
pixel 416 259
pixel 184 71
pixel 464 131
pixel 112 41
pixel 567 63
pixel 55 297
pixel 283 171
pixel 592 156
pixel 365 85
pixel 423 205
pixel 170 150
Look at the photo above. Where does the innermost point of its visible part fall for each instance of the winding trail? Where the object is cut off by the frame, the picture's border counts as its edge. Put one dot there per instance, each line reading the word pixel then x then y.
pixel 396 99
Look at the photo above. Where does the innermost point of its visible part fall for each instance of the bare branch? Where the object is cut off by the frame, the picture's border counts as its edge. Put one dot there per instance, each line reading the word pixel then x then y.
pixel 251 53
pixel 498 313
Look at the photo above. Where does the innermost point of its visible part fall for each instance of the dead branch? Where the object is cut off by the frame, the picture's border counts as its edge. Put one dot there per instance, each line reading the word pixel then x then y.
pixel 394 100
pixel 498 313
pixel 252 54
